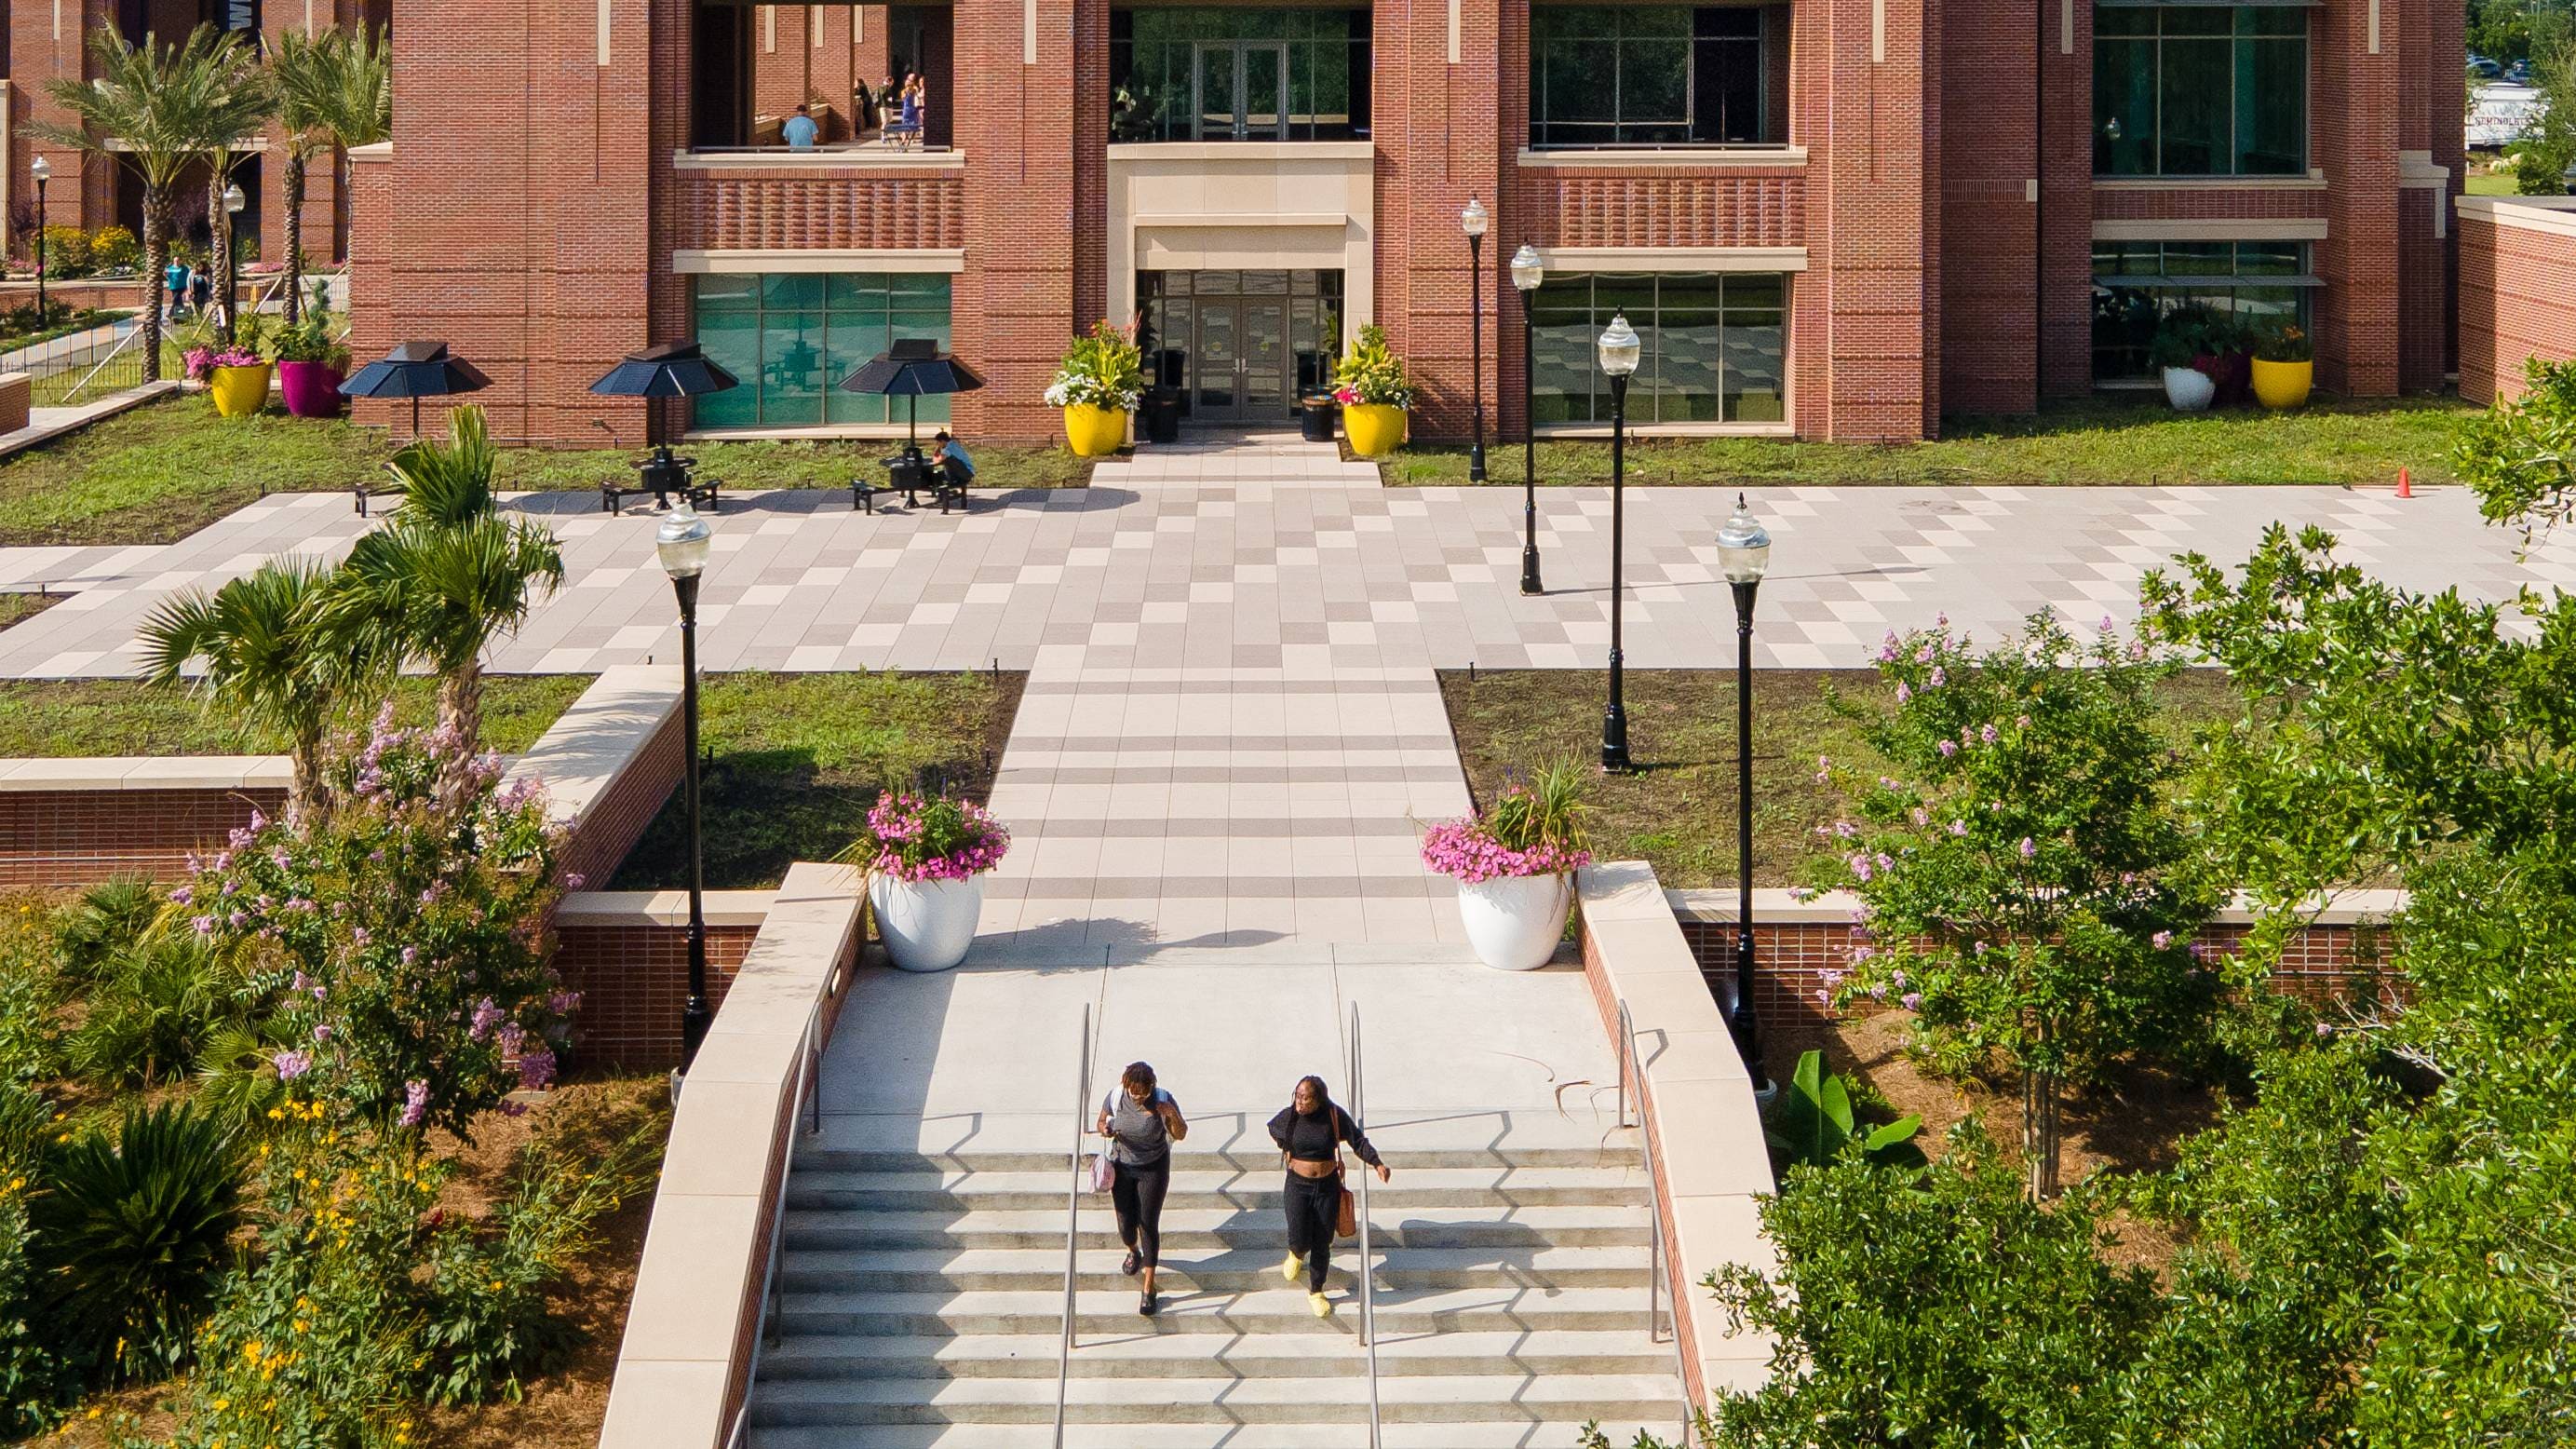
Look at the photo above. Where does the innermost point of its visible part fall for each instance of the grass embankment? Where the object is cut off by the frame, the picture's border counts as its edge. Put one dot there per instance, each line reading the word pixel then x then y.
pixel 2099 441
pixel 796 760
pixel 164 470
pixel 87 718
pixel 1677 810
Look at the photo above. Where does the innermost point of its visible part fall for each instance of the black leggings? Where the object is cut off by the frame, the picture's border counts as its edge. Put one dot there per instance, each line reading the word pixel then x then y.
pixel 1137 1193
pixel 1314 1206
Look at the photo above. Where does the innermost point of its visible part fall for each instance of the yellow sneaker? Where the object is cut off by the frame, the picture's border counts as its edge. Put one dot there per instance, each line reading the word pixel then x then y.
pixel 1290 1268
pixel 1323 1305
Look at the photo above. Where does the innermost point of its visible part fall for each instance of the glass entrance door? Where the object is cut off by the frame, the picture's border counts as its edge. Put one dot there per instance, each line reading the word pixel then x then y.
pixel 1242 90
pixel 1237 345
pixel 1265 358
pixel 1216 363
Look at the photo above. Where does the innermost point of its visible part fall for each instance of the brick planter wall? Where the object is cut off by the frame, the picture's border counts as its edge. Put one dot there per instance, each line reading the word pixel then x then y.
pixel 77 836
pixel 627 953
pixel 2517 289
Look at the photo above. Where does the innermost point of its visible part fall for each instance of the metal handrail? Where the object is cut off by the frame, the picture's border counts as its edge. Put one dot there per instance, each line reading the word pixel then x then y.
pixel 1072 1214
pixel 806 1102
pixel 1368 1269
pixel 1656 1249
pixel 121 344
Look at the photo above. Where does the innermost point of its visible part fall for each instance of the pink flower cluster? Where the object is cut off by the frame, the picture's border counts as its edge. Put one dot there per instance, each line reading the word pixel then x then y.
pixel 202 361
pixel 1463 850
pixel 914 843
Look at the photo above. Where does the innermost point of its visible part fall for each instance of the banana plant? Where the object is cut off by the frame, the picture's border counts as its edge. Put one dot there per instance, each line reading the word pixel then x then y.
pixel 1813 1122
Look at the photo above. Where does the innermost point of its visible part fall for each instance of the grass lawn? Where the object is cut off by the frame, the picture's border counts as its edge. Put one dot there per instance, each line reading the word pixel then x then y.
pixel 2096 441
pixel 17 608
pixel 164 470
pixel 80 321
pixel 1677 809
pixel 82 718
pixel 796 760
pixel 2492 183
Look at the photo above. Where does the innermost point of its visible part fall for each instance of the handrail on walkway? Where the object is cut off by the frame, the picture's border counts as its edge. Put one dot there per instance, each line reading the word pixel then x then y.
pixel 1656 1249
pixel 1072 1212
pixel 1368 1270
pixel 807 1102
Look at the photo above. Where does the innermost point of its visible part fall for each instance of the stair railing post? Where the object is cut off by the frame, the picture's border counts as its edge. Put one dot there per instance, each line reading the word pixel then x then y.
pixel 1072 1215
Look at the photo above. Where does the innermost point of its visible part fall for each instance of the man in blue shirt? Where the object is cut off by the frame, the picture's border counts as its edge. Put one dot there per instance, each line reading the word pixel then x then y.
pixel 800 131
pixel 950 457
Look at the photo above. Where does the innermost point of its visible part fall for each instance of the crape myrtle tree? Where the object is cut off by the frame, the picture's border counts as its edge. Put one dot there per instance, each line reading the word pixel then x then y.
pixel 2027 892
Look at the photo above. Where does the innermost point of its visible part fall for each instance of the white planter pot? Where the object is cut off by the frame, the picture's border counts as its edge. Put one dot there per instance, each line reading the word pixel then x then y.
pixel 927 924
pixel 1514 922
pixel 2189 389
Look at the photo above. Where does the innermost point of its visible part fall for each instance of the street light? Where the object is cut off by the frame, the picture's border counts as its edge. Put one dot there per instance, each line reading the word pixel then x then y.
pixel 1472 222
pixel 234 201
pixel 43 171
pixel 1620 350
pixel 683 541
pixel 1743 552
pixel 1527 273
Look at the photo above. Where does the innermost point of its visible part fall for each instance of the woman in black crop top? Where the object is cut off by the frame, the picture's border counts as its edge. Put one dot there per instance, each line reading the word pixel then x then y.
pixel 1310 1132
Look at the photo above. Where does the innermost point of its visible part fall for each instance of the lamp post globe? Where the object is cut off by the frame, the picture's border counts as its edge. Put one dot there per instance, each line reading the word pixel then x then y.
pixel 1472 222
pixel 43 171
pixel 683 544
pixel 1743 556
pixel 1528 273
pixel 1619 349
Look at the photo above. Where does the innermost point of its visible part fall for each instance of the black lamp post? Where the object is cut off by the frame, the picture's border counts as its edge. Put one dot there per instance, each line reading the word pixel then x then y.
pixel 1472 222
pixel 226 274
pixel 1620 350
pixel 43 171
pixel 684 541
pixel 1527 273
pixel 1744 551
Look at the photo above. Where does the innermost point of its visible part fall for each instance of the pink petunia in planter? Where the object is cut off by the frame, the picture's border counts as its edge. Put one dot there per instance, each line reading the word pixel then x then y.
pixel 1515 867
pixel 924 859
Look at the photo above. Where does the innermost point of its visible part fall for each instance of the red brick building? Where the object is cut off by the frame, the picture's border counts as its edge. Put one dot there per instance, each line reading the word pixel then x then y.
pixel 1832 218
pixel 2517 289
pixel 50 39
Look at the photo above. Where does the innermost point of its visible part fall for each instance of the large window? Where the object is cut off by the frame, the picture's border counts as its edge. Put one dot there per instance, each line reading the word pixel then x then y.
pixel 1652 75
pixel 1207 73
pixel 792 336
pixel 1715 347
pixel 2200 90
pixel 2137 285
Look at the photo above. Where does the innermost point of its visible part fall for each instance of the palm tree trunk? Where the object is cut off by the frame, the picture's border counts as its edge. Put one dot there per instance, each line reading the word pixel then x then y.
pixel 309 797
pixel 157 210
pixel 294 236
pixel 460 705
pixel 220 229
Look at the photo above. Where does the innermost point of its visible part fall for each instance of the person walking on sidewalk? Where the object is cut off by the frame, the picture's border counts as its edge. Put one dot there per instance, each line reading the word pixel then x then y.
pixel 1310 1132
pixel 1141 1122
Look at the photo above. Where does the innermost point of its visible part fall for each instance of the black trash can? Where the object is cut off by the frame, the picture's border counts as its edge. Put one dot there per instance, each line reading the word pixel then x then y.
pixel 1162 415
pixel 1320 413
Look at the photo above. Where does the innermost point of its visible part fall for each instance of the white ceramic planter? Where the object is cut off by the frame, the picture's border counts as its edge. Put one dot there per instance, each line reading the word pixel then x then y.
pixel 2189 389
pixel 927 924
pixel 1514 922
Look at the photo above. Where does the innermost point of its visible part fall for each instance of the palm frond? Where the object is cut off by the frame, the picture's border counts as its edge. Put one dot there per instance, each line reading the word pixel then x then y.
pixel 260 647
pixel 158 106
pixel 449 483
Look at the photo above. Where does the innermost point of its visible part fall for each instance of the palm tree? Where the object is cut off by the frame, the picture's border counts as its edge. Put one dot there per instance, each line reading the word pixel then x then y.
pixel 265 659
pixel 157 108
pixel 334 92
pixel 441 593
pixel 450 483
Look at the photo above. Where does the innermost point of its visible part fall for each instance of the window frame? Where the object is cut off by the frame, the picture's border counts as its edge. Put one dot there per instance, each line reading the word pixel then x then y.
pixel 2237 97
pixel 892 304
pixel 2193 287
pixel 1551 313
pixel 1620 43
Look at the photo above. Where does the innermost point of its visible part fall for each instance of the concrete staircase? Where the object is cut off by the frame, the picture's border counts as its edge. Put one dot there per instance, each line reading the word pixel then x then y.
pixel 922 1299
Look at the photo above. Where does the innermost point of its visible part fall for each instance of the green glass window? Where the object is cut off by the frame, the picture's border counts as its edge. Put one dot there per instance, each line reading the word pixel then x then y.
pixel 1652 75
pixel 2200 90
pixel 1716 347
pixel 792 336
pixel 2136 285
pixel 1209 73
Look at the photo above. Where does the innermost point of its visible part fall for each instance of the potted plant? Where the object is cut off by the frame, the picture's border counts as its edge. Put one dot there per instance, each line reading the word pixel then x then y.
pixel 312 360
pixel 2285 366
pixel 1097 385
pixel 922 858
pixel 1515 867
pixel 2226 354
pixel 1371 385
pixel 232 369
pixel 2173 354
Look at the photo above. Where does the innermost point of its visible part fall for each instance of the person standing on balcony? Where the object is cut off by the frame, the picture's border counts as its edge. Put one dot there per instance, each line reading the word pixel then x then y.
pixel 1141 1121
pixel 1310 1132
pixel 915 103
pixel 799 133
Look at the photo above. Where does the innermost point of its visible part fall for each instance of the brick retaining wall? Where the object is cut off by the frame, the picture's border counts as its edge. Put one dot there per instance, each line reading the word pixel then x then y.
pixel 627 953
pixel 77 822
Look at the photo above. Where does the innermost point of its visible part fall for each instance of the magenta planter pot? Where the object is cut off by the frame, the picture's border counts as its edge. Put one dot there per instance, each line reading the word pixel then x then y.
pixel 312 389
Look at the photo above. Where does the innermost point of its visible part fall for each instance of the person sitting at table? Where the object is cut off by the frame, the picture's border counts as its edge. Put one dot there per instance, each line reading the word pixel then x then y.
pixel 800 131
pixel 949 456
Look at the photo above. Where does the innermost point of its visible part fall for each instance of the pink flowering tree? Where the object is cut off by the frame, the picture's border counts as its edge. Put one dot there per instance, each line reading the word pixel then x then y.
pixel 2027 890
pixel 399 946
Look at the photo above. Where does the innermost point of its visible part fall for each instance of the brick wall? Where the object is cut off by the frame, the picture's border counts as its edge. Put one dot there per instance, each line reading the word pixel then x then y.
pixel 75 837
pixel 634 980
pixel 819 208
pixel 2517 298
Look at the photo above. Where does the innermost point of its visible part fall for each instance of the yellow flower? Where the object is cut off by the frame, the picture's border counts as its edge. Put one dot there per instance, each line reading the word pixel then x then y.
pixel 222 1404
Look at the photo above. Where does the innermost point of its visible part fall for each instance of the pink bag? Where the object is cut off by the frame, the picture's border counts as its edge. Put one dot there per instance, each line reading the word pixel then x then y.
pixel 1102 1174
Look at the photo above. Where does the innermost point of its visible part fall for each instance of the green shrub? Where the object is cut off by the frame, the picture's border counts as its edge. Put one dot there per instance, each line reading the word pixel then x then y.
pixel 2520 456
pixel 66 252
pixel 154 1007
pixel 1813 1122
pixel 113 247
pixel 131 1236
pixel 32 1376
pixel 108 918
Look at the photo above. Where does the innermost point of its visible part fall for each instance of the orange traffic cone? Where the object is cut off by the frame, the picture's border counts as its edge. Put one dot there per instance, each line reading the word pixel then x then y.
pixel 2405 489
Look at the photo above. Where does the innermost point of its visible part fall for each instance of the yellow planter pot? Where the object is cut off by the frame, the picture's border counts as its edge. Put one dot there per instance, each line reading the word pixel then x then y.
pixel 240 391
pixel 2283 384
pixel 1375 429
pixel 1094 432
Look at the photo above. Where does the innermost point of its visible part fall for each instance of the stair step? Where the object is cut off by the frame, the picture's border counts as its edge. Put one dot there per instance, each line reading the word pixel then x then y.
pixel 1221 1141
pixel 1270 1310
pixel 811 1188
pixel 1461 1435
pixel 1189 1355
pixel 915 1270
pixel 1209 1229
pixel 1434 1398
